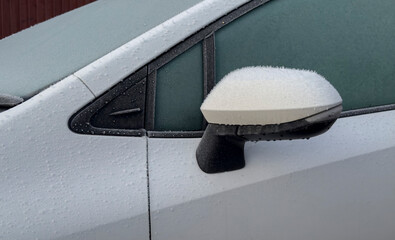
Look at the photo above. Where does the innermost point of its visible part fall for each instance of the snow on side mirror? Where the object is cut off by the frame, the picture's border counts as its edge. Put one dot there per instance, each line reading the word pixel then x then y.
pixel 263 103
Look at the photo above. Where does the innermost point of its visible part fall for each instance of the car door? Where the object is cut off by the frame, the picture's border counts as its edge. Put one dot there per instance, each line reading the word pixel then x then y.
pixel 60 184
pixel 335 186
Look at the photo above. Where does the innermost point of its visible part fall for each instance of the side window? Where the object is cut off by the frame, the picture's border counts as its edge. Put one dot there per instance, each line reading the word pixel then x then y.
pixel 179 92
pixel 350 43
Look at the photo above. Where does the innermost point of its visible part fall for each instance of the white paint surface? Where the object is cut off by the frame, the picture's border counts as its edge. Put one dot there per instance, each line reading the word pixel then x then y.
pixel 268 95
pixel 339 185
pixel 58 184
pixel 113 67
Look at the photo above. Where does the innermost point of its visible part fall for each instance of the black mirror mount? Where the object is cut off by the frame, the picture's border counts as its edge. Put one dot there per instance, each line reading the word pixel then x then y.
pixel 221 148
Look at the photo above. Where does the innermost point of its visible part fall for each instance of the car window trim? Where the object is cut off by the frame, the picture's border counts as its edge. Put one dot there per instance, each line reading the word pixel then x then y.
pixel 207 37
pixel 80 122
pixel 368 110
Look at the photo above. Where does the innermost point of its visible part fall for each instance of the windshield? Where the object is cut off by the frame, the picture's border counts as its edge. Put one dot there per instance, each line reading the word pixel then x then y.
pixel 39 56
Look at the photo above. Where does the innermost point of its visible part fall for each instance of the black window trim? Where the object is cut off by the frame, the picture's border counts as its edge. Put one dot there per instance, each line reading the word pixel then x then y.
pixel 367 110
pixel 80 122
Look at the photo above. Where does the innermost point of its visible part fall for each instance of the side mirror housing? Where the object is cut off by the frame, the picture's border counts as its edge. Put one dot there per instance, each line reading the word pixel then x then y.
pixel 263 103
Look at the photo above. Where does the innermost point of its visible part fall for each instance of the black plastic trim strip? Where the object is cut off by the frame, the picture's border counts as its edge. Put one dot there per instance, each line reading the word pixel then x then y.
pixel 208 68
pixel 209 63
pixel 125 112
pixel 199 134
pixel 368 110
pixel 175 134
pixel 150 101
pixel 80 121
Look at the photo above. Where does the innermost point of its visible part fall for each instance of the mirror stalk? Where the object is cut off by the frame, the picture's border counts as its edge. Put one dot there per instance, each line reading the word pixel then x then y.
pixel 220 149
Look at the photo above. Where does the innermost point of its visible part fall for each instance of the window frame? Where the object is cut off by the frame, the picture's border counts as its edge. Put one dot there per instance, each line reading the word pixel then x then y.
pixel 207 37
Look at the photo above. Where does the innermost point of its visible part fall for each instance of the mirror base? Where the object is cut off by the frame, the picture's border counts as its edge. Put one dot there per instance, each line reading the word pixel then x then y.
pixel 220 149
pixel 222 146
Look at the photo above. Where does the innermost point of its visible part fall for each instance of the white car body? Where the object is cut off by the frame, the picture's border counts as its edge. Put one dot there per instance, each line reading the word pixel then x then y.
pixel 56 184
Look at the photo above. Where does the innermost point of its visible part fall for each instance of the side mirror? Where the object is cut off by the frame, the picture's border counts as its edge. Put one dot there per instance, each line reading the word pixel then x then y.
pixel 263 103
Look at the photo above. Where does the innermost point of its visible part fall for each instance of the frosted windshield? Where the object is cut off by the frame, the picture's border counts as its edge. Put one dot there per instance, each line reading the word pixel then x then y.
pixel 48 52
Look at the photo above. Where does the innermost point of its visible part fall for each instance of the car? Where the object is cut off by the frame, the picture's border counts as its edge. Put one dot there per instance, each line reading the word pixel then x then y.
pixel 101 128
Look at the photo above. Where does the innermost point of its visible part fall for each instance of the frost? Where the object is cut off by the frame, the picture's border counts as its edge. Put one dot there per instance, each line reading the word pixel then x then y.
pixel 142 49
pixel 48 52
pixel 55 183
pixel 275 94
pixel 270 88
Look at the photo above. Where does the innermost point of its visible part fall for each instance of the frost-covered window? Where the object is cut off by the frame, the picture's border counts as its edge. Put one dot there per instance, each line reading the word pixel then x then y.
pixel 350 43
pixel 179 92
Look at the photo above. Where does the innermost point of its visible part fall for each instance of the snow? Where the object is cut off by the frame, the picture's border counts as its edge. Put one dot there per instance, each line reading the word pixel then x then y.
pixel 268 95
pixel 350 137
pixel 113 67
pixel 57 183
